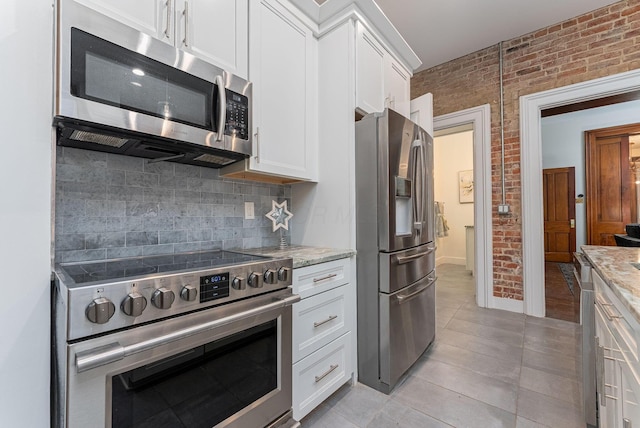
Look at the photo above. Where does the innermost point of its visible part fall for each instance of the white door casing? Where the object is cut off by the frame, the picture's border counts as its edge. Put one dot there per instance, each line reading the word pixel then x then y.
pixel 531 166
pixel 480 117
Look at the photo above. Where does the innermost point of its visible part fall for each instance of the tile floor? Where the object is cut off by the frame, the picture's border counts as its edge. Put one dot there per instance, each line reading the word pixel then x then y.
pixel 487 368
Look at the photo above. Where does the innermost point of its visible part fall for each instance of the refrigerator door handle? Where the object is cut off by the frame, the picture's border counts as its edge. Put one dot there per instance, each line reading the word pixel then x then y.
pixel 402 298
pixel 406 259
pixel 418 205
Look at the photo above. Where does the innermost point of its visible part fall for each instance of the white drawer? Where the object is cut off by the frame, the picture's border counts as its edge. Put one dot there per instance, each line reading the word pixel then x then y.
pixel 318 320
pixel 314 279
pixel 320 374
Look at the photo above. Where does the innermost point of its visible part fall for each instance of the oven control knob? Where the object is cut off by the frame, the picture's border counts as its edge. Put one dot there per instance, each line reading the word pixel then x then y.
pixel 134 304
pixel 238 283
pixel 284 273
pixel 163 298
pixel 189 293
pixel 100 310
pixel 255 280
pixel 270 276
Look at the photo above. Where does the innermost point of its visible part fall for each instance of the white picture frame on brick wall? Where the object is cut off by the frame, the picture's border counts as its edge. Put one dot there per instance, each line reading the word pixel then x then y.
pixel 465 186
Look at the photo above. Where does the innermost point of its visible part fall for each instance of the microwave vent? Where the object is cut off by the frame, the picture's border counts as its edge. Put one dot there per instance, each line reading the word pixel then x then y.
pixel 213 159
pixel 93 137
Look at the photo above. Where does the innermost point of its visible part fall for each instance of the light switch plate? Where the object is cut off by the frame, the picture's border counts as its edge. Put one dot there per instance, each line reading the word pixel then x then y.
pixel 248 211
pixel 503 209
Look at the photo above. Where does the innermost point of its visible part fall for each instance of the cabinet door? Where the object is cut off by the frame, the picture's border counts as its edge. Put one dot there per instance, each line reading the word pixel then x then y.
pixel 422 112
pixel 370 66
pixel 215 31
pixel 153 17
pixel 609 402
pixel 283 66
pixel 397 86
pixel 630 389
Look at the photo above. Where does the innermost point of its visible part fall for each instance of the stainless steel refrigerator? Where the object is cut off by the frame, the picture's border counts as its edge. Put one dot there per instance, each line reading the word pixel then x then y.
pixel 395 244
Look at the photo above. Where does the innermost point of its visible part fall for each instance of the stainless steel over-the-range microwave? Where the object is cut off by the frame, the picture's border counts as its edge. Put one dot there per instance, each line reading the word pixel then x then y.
pixel 122 91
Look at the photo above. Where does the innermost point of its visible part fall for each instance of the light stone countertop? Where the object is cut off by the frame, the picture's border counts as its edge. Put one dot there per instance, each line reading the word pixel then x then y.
pixel 303 255
pixel 614 265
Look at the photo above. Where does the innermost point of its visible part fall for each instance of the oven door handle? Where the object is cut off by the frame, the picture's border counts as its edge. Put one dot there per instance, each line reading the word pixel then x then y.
pixel 112 352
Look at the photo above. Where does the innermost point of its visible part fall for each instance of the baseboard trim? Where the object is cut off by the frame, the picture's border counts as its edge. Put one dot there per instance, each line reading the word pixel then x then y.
pixel 510 305
pixel 451 260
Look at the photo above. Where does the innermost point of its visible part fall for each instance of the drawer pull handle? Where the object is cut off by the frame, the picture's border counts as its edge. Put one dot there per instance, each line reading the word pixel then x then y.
pixel 331 275
pixel 319 323
pixel 327 373
pixel 608 313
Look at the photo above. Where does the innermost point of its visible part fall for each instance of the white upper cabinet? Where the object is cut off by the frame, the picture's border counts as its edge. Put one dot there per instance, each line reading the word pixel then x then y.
pixel 216 31
pixel 213 30
pixel 381 80
pixel 397 84
pixel 283 69
pixel 370 68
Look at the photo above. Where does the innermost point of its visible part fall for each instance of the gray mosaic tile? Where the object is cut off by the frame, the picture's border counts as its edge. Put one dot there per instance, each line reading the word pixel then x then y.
pixel 212 198
pixel 163 168
pixel 158 223
pixel 116 178
pixel 186 247
pixel 141 238
pixel 126 224
pixel 84 255
pixel 211 245
pixel 74 190
pixel 141 179
pixel 83 224
pixel 200 184
pixel 70 207
pixel 126 163
pixel 187 197
pixel 120 252
pixel 199 235
pixel 233 244
pixel 106 208
pixel 152 250
pixel 172 236
pixel 187 170
pixel 123 193
pixel 70 241
pixel 80 174
pixel 159 195
pixel 104 240
pixel 88 158
pixel 212 173
pixel 142 209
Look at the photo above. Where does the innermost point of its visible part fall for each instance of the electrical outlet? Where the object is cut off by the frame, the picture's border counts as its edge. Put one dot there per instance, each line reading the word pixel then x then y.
pixel 248 211
pixel 503 209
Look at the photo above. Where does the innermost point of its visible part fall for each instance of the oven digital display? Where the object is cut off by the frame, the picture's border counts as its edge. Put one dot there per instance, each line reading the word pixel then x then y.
pixel 214 287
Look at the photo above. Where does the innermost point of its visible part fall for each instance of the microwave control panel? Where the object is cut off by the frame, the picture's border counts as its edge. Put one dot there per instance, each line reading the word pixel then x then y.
pixel 237 115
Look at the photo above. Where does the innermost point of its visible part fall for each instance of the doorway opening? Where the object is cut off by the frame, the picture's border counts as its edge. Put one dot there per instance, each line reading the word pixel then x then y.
pixel 531 136
pixel 479 118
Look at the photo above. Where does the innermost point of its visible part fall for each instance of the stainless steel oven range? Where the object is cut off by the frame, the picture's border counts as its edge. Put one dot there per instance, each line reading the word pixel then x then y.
pixel 183 340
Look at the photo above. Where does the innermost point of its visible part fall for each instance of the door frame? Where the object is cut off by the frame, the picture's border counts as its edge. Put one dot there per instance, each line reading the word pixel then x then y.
pixel 480 118
pixel 531 166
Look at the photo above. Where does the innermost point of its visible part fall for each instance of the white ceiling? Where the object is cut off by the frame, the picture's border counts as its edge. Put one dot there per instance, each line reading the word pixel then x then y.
pixel 442 30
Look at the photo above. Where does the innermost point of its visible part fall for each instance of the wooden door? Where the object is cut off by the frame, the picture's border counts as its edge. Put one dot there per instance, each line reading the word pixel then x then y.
pixel 610 199
pixel 558 186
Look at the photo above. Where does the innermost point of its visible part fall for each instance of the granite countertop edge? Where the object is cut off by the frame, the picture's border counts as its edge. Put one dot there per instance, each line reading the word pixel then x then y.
pixel 304 255
pixel 614 265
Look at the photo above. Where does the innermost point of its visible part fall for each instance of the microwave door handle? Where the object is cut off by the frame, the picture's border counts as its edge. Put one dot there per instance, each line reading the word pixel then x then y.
pixel 222 103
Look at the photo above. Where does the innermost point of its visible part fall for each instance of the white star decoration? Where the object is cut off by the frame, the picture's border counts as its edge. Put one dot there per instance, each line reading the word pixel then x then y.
pixel 279 215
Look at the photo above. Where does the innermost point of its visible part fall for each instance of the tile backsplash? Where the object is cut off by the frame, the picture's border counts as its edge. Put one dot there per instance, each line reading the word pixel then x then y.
pixel 110 206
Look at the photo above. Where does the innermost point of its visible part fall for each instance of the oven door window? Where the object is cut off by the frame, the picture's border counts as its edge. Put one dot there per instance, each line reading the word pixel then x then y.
pixel 200 387
pixel 110 74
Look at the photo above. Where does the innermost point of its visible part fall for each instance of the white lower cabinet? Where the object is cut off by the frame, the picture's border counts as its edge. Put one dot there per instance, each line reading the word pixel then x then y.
pixel 617 364
pixel 323 341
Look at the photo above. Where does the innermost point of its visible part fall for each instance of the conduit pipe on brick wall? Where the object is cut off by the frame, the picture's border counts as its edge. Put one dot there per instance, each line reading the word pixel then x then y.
pixel 503 208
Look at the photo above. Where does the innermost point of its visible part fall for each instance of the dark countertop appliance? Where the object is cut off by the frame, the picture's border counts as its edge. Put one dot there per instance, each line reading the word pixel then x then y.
pixel 121 91
pixel 184 340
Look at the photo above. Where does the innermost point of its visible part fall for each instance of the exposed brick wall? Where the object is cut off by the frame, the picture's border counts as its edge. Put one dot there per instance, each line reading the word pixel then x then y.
pixel 600 43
